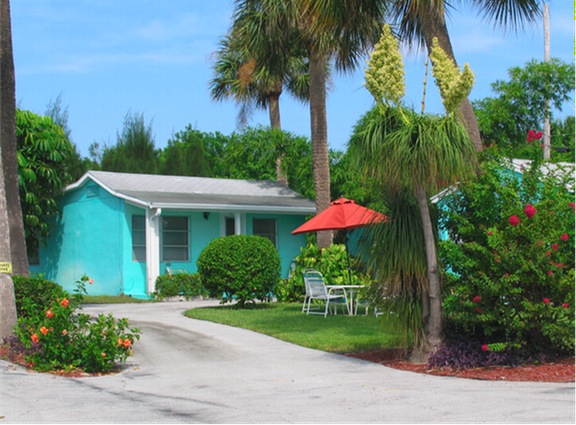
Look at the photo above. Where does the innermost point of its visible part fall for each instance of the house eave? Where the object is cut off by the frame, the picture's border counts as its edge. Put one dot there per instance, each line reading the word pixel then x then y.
pixel 226 207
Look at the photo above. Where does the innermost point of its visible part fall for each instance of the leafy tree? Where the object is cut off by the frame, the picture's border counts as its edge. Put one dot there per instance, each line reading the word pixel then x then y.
pixel 134 151
pixel 43 155
pixel 76 165
pixel 521 102
pixel 420 21
pixel 185 155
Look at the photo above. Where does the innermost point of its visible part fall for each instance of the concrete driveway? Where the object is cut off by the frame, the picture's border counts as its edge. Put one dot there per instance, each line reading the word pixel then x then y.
pixel 190 371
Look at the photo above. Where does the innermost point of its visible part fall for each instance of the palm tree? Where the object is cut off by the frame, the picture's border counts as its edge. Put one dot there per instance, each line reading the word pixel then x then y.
pixel 256 78
pixel 418 154
pixel 420 21
pixel 8 145
pixel 7 124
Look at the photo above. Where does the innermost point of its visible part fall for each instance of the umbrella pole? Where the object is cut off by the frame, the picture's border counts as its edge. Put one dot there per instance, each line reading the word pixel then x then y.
pixel 348 257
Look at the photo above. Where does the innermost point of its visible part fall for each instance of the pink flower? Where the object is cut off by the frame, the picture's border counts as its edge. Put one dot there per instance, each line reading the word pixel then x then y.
pixel 546 301
pixel 478 310
pixel 90 281
pixel 532 135
pixel 49 314
pixel 550 273
pixel 559 265
pixel 564 237
pixel 514 221
pixel 565 305
pixel 485 347
pixel 555 246
pixel 64 332
pixel 572 204
pixel 476 299
pixel 529 211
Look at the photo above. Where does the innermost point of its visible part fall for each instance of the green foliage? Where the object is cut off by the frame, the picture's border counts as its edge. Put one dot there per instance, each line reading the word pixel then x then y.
pixel 185 155
pixel 332 262
pixel 179 284
pixel 43 155
pixel 520 104
pixel 60 338
pixel 32 294
pixel 240 267
pixel 134 151
pixel 510 258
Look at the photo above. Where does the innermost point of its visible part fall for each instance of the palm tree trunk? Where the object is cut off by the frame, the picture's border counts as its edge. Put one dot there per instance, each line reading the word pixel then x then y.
pixel 8 144
pixel 435 26
pixel 434 323
pixel 319 132
pixel 274 113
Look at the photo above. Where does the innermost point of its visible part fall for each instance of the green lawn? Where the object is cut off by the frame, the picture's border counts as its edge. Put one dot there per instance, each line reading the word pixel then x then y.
pixel 111 299
pixel 336 333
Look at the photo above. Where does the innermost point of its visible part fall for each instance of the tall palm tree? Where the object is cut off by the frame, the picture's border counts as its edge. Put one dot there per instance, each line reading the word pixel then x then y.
pixel 7 104
pixel 331 31
pixel 420 21
pixel 256 78
pixel 9 146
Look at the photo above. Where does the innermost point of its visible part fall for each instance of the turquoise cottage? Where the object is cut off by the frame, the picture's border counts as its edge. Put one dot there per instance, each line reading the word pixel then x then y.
pixel 124 230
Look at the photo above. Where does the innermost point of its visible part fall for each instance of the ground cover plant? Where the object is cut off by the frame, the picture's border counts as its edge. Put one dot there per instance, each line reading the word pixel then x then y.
pixel 336 333
pixel 52 335
pixel 509 290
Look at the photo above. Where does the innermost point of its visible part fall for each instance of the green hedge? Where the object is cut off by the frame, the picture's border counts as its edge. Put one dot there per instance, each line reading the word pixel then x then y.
pixel 179 284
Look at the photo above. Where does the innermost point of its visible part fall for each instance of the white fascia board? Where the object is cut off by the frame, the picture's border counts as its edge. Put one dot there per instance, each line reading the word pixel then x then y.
pixel 238 208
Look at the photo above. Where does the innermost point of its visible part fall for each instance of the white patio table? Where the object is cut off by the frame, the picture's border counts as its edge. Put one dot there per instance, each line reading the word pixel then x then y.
pixel 350 289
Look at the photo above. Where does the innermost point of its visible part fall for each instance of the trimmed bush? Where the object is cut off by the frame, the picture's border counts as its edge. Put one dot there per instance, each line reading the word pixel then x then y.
pixel 179 284
pixel 240 267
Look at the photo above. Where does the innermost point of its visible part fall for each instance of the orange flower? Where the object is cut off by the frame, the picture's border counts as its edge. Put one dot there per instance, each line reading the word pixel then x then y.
pixel 64 302
pixel 127 343
pixel 64 332
pixel 103 354
pixel 49 314
pixel 120 342
pixel 90 281
pixel 44 330
pixel 34 338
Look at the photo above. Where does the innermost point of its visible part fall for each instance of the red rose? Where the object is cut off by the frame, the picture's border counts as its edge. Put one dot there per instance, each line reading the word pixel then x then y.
pixel 531 136
pixel 564 237
pixel 529 211
pixel 485 347
pixel 565 305
pixel 514 221
pixel 476 299
pixel 546 301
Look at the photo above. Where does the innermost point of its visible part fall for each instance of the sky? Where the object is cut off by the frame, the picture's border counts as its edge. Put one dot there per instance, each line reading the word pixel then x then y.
pixel 106 58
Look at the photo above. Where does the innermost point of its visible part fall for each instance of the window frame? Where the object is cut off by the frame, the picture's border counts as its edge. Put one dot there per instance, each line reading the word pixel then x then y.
pixel 164 246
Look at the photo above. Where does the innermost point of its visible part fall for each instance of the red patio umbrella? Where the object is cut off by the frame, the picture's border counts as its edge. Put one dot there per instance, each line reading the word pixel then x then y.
pixel 342 214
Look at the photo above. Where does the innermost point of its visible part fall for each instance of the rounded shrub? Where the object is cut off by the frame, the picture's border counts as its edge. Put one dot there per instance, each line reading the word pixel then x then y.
pixel 240 267
pixel 179 284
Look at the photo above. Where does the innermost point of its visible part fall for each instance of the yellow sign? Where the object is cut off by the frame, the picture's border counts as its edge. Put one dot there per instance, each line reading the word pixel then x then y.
pixel 6 268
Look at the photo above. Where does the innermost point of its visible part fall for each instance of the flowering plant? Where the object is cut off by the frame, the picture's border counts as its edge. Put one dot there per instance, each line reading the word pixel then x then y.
pixel 510 284
pixel 59 337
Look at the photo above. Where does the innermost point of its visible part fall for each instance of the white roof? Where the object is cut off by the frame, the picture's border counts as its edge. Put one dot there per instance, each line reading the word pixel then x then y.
pixel 199 193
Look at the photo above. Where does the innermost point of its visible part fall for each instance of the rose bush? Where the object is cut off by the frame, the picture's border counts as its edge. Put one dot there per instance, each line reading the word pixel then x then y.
pixel 58 337
pixel 510 260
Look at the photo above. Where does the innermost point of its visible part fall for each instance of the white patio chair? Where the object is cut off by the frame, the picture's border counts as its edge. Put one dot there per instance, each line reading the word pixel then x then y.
pixel 316 290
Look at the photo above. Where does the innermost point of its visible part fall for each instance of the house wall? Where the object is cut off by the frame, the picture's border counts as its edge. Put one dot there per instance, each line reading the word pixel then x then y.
pixel 134 272
pixel 85 241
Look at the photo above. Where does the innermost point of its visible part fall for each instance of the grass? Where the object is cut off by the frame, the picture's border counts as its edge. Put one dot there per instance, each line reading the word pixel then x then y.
pixel 111 299
pixel 336 333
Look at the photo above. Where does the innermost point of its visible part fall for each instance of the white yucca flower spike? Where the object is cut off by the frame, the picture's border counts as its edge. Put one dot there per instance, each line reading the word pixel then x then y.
pixel 384 77
pixel 454 85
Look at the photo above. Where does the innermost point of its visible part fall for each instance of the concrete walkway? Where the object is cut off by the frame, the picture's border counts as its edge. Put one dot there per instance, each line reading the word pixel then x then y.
pixel 190 371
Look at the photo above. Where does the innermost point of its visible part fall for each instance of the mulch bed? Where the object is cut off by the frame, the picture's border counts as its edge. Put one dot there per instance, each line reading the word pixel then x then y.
pixel 558 371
